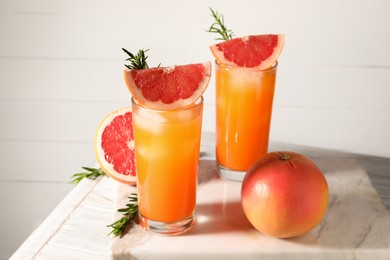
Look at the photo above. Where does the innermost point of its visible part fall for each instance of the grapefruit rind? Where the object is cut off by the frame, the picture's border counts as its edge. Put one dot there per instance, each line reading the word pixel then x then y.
pixel 177 104
pixel 100 154
pixel 265 64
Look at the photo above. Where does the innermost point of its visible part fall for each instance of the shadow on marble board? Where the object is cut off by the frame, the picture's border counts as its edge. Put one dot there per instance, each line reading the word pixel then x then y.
pixel 378 168
pixel 207 171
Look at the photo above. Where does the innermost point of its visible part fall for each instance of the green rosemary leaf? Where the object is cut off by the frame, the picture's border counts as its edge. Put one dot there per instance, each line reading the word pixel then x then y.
pixel 129 214
pixel 90 173
pixel 219 27
pixel 138 61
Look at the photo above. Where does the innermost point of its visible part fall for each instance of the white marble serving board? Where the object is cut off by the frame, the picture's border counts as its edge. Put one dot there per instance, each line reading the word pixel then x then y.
pixel 356 225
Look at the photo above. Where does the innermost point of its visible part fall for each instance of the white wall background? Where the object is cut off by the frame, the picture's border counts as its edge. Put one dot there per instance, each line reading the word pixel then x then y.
pixel 61 72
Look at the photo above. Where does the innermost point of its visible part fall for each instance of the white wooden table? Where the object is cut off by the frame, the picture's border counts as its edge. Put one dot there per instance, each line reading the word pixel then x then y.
pixel 356 225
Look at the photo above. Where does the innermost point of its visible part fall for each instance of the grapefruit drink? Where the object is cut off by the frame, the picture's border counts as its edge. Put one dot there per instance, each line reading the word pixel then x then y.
pixel 245 82
pixel 167 109
pixel 167 156
pixel 244 100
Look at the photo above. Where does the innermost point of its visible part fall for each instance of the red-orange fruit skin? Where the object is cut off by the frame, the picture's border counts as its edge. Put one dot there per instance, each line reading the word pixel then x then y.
pixel 284 198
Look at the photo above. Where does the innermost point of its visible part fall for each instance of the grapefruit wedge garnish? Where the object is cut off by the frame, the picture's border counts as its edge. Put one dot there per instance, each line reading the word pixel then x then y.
pixel 255 51
pixel 168 88
pixel 114 146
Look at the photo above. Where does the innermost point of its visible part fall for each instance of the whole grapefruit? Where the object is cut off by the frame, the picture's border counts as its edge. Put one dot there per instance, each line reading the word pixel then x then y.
pixel 284 195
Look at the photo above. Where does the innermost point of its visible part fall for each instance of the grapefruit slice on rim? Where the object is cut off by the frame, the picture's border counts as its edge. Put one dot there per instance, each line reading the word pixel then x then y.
pixel 168 88
pixel 114 146
pixel 255 51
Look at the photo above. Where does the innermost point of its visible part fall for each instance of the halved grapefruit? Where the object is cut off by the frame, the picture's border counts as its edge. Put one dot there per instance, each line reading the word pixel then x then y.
pixel 168 88
pixel 255 51
pixel 114 146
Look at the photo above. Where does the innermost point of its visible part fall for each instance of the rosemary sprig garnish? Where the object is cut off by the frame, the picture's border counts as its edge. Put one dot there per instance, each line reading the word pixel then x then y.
pixel 219 26
pixel 91 173
pixel 138 61
pixel 129 214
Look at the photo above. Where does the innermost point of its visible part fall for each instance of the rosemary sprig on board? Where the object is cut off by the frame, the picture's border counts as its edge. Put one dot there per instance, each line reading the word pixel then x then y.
pixel 90 173
pixel 129 215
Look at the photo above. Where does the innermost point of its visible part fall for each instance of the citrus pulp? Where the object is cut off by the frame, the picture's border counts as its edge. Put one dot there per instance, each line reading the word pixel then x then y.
pixel 114 146
pixel 254 51
pixel 168 88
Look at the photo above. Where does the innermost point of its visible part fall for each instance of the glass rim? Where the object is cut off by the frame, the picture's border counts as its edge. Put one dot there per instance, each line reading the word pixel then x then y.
pixel 228 67
pixel 196 104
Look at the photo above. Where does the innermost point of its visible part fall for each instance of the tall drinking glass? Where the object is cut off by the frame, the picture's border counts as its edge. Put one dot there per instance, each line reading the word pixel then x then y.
pixel 244 98
pixel 167 147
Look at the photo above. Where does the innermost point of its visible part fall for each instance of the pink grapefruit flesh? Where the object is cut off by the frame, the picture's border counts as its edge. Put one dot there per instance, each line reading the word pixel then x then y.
pixel 168 88
pixel 255 51
pixel 114 146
